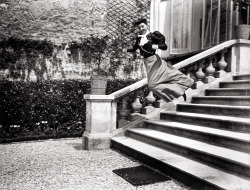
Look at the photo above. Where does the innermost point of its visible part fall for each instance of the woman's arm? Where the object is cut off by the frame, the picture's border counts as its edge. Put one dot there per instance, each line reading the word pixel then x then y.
pixel 135 47
pixel 158 41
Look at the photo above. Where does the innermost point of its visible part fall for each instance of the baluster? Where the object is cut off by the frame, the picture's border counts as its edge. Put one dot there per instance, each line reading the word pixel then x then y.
pixel 136 107
pixel 199 74
pixel 210 71
pixel 215 62
pixel 123 113
pixel 150 100
pixel 222 64
pixel 191 70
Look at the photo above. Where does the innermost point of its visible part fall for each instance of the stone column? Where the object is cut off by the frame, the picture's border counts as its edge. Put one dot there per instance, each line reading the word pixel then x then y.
pixel 100 121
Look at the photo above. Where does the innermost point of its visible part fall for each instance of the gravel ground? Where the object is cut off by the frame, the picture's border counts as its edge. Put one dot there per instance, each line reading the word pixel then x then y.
pixel 62 164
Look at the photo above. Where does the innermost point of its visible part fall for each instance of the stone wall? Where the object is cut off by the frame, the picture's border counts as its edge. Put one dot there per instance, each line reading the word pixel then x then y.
pixel 59 21
pixel 63 21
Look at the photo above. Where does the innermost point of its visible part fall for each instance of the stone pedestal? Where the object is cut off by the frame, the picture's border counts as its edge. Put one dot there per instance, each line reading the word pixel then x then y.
pixel 239 57
pixel 135 116
pixel 157 104
pixel 100 121
pixel 209 79
pixel 96 141
pixel 197 85
pixel 148 109
pixel 220 74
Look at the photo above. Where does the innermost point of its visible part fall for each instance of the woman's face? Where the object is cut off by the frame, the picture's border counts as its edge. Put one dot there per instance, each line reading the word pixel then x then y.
pixel 143 28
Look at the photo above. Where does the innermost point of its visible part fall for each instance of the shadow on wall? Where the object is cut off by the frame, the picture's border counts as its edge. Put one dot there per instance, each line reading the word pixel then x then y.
pixel 32 60
pixel 26 63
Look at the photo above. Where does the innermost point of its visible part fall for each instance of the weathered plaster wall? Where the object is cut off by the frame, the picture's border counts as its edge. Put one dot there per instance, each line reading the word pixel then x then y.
pixel 59 21
pixel 62 21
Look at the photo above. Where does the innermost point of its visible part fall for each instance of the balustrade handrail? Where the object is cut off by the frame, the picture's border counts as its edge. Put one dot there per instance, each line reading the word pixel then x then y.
pixel 209 52
pixel 218 48
pixel 133 87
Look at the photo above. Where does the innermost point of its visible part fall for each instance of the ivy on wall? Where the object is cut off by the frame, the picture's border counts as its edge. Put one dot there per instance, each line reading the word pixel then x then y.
pixel 20 58
pixel 30 58
pixel 20 55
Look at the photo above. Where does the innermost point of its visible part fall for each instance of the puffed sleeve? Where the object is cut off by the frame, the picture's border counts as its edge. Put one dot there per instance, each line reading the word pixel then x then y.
pixel 135 47
pixel 159 39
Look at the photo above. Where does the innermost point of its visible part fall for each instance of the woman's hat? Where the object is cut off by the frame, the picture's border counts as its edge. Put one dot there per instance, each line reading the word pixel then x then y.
pixel 143 20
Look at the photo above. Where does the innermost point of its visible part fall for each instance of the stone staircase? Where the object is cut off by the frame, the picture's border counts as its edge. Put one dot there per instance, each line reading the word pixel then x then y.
pixel 205 144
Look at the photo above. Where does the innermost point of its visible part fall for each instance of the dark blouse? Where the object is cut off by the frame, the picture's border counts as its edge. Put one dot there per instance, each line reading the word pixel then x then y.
pixel 146 50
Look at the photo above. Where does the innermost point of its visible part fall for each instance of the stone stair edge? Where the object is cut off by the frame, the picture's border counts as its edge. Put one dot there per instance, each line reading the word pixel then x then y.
pixel 203 129
pixel 193 148
pixel 176 163
pixel 213 106
pixel 236 81
pixel 241 75
pixel 232 97
pixel 227 89
pixel 222 97
pixel 209 116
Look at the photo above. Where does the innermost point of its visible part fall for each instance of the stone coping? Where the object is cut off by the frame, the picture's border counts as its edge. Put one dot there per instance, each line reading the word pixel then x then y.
pixel 95 97
pixel 211 51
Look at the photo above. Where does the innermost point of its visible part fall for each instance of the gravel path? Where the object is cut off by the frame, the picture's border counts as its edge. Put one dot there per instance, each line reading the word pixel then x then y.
pixel 62 164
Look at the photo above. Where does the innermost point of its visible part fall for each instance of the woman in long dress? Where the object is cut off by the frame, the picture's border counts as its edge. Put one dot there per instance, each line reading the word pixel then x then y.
pixel 163 79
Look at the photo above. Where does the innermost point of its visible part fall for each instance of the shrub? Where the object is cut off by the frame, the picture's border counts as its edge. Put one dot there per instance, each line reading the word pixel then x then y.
pixel 48 109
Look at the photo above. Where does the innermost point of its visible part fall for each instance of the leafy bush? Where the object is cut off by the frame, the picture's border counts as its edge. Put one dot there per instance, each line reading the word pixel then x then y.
pixel 51 109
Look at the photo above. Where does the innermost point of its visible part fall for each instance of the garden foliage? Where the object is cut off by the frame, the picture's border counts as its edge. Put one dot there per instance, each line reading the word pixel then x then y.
pixel 49 109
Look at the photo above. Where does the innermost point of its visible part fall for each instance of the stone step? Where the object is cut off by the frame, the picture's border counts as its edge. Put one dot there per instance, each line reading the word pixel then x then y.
pixel 192 173
pixel 214 121
pixel 228 92
pixel 235 84
pixel 222 100
pixel 239 111
pixel 242 77
pixel 223 158
pixel 233 140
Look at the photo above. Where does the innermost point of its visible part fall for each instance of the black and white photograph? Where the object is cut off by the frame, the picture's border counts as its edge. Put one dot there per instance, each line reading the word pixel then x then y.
pixel 124 94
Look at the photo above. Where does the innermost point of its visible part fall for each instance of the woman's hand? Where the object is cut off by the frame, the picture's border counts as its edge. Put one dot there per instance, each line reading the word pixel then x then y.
pixel 155 46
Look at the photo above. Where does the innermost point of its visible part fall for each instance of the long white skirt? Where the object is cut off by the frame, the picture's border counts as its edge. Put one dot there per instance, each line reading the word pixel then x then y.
pixel 164 80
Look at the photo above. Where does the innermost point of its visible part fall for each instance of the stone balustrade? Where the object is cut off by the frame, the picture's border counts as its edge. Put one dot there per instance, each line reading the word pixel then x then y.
pixel 203 72
pixel 107 113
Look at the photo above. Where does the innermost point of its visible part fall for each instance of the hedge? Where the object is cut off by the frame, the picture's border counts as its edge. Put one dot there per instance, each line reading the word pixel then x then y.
pixel 49 109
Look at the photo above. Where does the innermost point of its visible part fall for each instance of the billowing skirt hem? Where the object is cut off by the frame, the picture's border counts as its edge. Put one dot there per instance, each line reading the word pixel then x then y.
pixel 165 80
